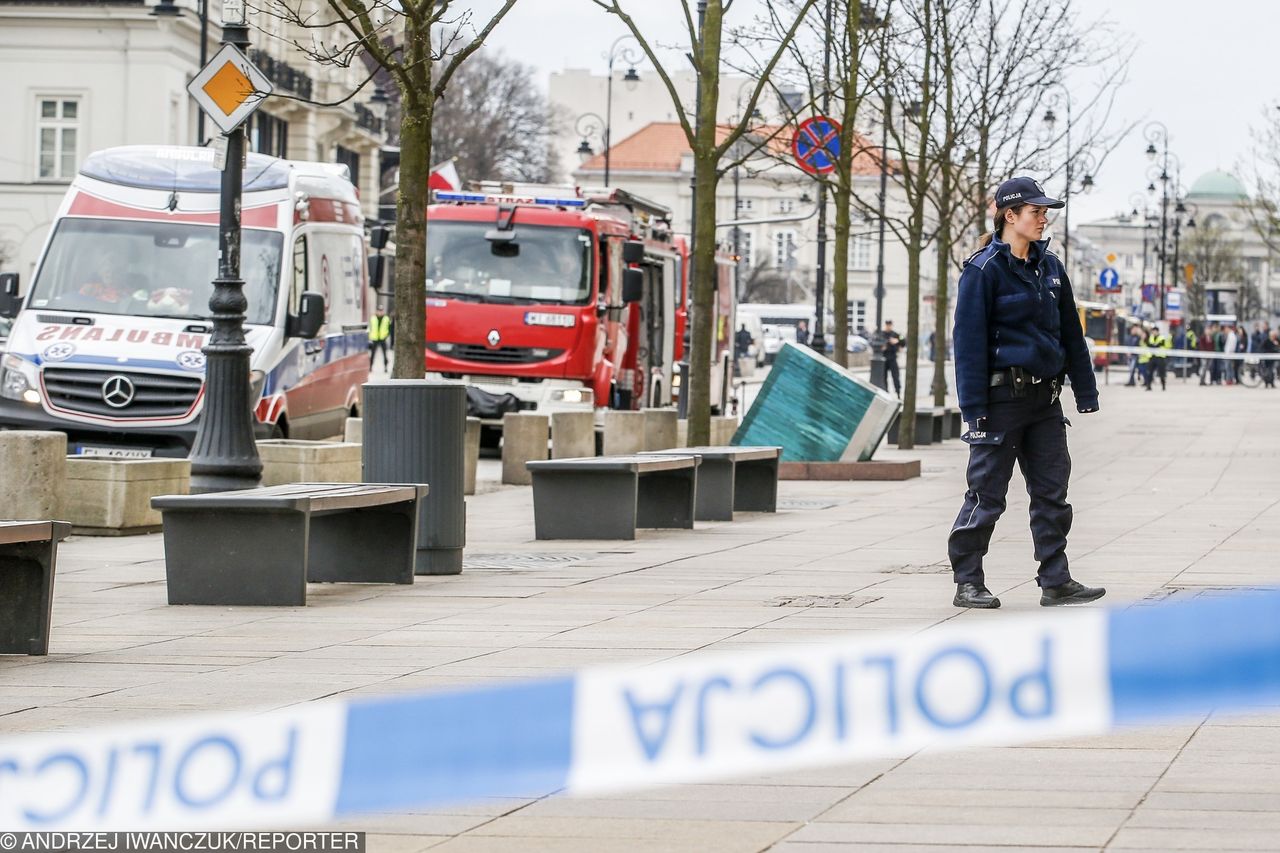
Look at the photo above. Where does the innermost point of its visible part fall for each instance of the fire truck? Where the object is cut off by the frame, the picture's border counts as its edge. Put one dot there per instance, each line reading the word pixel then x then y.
pixel 556 299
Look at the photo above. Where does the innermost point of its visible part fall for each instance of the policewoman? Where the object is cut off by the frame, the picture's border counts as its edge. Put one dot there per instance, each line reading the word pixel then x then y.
pixel 1017 335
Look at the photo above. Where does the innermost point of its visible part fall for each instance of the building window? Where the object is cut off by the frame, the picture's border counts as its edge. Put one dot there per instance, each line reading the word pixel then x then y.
pixel 861 248
pixel 857 316
pixel 57 133
pixel 744 249
pixel 1128 261
pixel 784 249
pixel 351 160
pixel 269 135
pixel 786 205
pixel 746 206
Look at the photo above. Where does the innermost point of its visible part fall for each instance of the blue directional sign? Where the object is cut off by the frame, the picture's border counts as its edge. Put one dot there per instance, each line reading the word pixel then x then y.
pixel 1108 279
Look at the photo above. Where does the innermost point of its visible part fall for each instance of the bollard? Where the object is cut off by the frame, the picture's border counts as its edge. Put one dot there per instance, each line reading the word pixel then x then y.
pixel 722 429
pixel 524 439
pixel 353 431
pixel 33 474
pixel 661 431
pixel 473 454
pixel 623 433
pixel 573 434
pixel 416 432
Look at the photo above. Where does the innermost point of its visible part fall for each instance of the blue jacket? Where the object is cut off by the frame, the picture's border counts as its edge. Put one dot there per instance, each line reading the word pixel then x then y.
pixel 1015 313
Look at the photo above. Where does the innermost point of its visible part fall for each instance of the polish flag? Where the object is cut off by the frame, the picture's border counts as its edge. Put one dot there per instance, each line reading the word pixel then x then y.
pixel 444 177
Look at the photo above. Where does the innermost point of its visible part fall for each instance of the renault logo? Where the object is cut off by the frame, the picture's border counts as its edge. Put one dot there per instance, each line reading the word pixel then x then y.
pixel 494 338
pixel 117 391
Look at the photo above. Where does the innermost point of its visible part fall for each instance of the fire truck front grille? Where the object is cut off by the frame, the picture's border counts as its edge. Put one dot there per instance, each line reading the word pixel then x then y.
pixel 501 355
pixel 139 395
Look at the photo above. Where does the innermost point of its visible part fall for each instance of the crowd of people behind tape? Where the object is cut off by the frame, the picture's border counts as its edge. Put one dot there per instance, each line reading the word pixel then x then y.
pixel 1230 339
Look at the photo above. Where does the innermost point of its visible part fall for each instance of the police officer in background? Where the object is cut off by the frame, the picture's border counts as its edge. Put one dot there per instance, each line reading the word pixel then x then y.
pixel 379 335
pixel 1017 334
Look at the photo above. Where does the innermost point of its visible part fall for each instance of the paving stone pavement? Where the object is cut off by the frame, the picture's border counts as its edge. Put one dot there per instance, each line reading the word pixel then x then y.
pixel 1175 496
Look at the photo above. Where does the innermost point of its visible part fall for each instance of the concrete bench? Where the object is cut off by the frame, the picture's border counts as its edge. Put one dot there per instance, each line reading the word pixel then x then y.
pixel 262 546
pixel 28 553
pixel 732 478
pixel 930 426
pixel 608 497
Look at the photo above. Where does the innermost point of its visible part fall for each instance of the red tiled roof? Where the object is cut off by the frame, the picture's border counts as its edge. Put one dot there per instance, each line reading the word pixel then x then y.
pixel 660 145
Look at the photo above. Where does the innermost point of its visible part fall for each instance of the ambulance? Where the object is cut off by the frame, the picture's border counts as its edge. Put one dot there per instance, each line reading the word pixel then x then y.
pixel 106 342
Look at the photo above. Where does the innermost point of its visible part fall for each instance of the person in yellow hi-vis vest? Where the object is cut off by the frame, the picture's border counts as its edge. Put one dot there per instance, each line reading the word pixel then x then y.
pixel 1159 341
pixel 379 334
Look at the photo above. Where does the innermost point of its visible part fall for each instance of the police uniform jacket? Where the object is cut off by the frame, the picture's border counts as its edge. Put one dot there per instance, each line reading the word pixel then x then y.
pixel 1015 313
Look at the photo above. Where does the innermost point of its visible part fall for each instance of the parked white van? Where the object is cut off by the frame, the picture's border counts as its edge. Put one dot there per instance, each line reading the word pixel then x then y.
pixel 106 343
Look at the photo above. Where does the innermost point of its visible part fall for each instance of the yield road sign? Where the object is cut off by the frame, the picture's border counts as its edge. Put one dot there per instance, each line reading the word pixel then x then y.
pixel 229 88
pixel 816 145
pixel 1109 279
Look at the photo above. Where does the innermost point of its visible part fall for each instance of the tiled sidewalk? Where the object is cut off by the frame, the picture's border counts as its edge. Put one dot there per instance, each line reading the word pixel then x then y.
pixel 1174 493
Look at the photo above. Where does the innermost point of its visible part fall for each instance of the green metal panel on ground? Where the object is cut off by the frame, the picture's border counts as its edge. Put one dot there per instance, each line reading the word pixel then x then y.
pixel 817 411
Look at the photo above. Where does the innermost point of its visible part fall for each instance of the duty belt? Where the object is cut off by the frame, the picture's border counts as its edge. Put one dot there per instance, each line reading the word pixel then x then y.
pixel 1014 376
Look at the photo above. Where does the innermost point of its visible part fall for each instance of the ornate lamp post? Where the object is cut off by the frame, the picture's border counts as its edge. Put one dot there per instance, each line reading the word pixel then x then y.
pixel 588 126
pixel 1157 132
pixel 1063 96
pixel 224 456
pixel 619 49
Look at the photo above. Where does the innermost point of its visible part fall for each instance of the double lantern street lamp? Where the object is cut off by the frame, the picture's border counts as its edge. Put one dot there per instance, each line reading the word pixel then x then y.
pixel 590 125
pixel 1063 97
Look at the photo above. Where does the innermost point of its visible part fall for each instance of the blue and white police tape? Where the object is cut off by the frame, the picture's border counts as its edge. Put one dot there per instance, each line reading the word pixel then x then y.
pixel 988 680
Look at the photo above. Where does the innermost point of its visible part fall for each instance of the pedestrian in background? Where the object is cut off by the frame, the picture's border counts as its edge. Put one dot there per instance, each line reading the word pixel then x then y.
pixel 892 343
pixel 802 332
pixel 1205 344
pixel 1017 335
pixel 379 334
pixel 1133 338
pixel 1270 347
pixel 1160 343
pixel 1230 345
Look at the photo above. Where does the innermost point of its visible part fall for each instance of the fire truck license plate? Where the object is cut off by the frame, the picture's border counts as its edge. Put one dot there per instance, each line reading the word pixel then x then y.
pixel 116 452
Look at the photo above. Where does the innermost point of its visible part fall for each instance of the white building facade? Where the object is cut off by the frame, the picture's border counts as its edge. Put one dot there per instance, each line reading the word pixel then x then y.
pixel 1215 199
pixel 83 76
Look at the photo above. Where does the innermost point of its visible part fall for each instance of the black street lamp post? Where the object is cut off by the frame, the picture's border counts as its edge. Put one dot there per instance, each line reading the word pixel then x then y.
pixel 224 456
pixel 819 339
pixel 1157 132
pixel 877 336
pixel 1063 96
pixel 588 126
pixel 631 78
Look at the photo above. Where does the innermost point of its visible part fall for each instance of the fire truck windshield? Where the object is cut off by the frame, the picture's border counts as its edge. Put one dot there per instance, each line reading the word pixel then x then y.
pixel 543 264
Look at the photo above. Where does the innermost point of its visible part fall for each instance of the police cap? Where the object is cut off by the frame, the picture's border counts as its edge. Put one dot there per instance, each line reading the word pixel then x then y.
pixel 1024 191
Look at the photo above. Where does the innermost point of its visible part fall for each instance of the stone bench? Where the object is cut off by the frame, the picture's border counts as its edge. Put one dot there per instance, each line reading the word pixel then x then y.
pixel 609 497
pixel 262 546
pixel 730 478
pixel 28 553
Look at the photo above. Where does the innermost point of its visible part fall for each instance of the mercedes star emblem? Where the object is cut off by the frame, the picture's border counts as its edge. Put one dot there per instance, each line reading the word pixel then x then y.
pixel 117 391
pixel 494 338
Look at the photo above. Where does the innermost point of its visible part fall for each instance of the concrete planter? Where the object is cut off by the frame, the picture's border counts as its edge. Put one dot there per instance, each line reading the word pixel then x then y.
pixel 112 497
pixel 471 447
pixel 33 475
pixel 353 431
pixel 287 460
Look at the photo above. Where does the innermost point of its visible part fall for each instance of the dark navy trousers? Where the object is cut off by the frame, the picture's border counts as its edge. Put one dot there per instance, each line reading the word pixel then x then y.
pixel 1031 431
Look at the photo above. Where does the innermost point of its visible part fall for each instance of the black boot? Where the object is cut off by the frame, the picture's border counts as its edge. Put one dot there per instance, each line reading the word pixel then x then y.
pixel 1071 592
pixel 975 595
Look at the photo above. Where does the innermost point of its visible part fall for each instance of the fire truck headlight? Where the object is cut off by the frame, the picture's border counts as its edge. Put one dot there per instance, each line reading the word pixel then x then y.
pixel 14 382
pixel 573 395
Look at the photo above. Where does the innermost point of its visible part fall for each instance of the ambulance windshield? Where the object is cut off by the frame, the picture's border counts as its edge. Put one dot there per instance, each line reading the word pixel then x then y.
pixel 151 269
pixel 543 264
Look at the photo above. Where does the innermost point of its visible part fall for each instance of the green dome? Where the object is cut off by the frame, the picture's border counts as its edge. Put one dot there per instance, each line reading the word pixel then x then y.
pixel 1218 186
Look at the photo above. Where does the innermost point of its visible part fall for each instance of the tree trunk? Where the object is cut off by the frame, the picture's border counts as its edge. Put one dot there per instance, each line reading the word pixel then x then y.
pixel 410 310
pixel 941 304
pixel 840 283
pixel 706 179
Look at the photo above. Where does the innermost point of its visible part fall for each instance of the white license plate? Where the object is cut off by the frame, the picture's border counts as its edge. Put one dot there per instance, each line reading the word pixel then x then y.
pixel 116 452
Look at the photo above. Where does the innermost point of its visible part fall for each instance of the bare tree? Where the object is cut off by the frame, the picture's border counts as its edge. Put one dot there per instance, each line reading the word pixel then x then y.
pixel 495 124
pixel 421 44
pixel 1264 173
pixel 710 142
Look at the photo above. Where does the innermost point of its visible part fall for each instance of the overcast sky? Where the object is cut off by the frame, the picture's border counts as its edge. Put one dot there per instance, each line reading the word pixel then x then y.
pixel 1207 70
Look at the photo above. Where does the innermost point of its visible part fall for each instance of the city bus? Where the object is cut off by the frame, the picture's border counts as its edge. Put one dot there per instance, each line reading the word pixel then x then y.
pixel 1099 323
